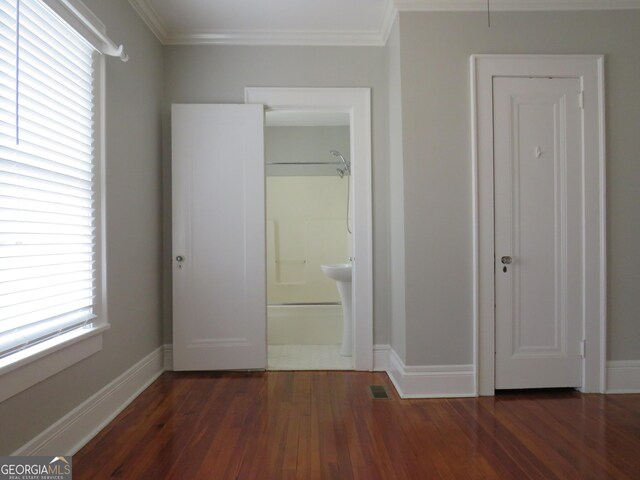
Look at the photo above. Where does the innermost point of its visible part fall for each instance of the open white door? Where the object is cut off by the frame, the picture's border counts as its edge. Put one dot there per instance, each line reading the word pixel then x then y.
pixel 219 292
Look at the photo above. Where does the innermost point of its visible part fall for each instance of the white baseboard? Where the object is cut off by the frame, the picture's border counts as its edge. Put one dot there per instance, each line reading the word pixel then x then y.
pixel 381 358
pixel 75 429
pixel 440 381
pixel 168 357
pixel 623 376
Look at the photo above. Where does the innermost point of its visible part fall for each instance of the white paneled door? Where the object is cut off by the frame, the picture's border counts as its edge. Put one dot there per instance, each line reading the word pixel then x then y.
pixel 538 232
pixel 219 297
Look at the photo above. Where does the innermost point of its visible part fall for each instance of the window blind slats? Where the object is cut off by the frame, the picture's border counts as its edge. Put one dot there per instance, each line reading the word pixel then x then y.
pixel 6 43
pixel 50 79
pixel 7 128
pixel 47 216
pixel 45 260
pixel 7 251
pixel 34 299
pixel 33 273
pixel 32 39
pixel 7 106
pixel 8 7
pixel 42 322
pixel 30 150
pixel 32 49
pixel 7 84
pixel 37 184
pixel 38 18
pixel 40 138
pixel 14 340
pixel 41 239
pixel 52 307
pixel 42 282
pixel 37 206
pixel 34 99
pixel 38 173
pixel 8 20
pixel 46 196
pixel 56 163
pixel 44 228
pixel 51 86
pixel 26 216
pixel 57 130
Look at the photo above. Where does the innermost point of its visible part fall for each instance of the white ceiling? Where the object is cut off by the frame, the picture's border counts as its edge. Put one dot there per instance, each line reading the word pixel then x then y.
pixel 314 22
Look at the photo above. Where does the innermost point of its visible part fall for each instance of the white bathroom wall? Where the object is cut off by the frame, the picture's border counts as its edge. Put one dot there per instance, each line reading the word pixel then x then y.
pixel 306 227
pixel 304 324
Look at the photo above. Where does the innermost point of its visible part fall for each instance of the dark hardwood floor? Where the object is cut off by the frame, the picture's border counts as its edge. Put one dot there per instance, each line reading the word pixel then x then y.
pixel 325 425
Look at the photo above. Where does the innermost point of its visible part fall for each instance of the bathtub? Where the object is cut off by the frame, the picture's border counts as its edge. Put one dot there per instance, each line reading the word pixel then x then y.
pixel 304 324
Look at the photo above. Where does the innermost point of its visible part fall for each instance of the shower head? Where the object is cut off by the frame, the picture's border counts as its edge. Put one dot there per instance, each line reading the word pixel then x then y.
pixel 347 165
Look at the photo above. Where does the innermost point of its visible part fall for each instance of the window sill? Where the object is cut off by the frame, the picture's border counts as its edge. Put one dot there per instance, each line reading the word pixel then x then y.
pixel 28 367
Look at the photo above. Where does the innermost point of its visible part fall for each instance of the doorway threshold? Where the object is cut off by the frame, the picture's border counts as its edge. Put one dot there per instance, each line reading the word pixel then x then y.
pixel 307 357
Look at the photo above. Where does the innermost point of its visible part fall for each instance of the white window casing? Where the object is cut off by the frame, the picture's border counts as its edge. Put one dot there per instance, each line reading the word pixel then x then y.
pixel 52 269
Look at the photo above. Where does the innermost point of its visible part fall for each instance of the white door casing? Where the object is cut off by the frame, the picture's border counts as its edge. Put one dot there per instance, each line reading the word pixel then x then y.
pixel 357 103
pixel 589 71
pixel 219 283
pixel 538 200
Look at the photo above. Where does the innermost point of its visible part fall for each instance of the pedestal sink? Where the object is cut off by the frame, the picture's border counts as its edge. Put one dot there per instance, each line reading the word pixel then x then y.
pixel 341 273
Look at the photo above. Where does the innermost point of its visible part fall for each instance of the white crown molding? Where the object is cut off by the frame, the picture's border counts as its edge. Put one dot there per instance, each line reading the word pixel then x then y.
pixel 513 5
pixel 151 18
pixel 388 18
pixel 360 38
pixel 265 37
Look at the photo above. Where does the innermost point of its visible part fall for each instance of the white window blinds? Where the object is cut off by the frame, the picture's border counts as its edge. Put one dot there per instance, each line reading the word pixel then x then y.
pixel 47 243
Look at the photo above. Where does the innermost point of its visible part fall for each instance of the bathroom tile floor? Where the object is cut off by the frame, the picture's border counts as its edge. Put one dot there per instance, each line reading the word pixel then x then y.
pixel 307 357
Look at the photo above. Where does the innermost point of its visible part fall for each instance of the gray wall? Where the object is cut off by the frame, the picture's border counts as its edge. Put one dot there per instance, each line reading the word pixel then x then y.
pixel 396 197
pixel 219 74
pixel 133 97
pixel 435 50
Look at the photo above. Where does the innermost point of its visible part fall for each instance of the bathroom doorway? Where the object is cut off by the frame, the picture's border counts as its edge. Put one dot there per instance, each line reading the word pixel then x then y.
pixel 356 103
pixel 308 225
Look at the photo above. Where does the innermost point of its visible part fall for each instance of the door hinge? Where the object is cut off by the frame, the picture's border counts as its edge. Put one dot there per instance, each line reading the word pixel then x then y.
pixel 581 100
pixel 583 346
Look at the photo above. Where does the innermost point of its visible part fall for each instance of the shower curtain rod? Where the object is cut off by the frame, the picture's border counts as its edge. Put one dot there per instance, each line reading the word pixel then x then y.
pixel 304 163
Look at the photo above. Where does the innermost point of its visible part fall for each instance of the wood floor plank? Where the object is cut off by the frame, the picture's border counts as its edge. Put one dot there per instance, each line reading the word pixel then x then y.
pixel 325 425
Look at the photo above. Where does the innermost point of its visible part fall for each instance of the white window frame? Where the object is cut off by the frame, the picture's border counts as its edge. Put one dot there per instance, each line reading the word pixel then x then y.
pixel 35 364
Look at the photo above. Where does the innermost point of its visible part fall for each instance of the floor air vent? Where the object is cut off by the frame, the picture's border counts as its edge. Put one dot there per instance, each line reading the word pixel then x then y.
pixel 378 392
